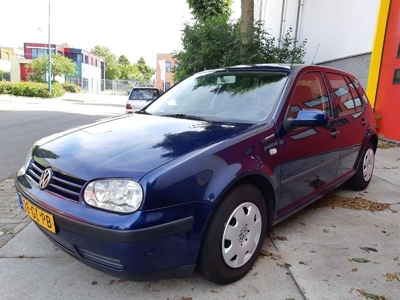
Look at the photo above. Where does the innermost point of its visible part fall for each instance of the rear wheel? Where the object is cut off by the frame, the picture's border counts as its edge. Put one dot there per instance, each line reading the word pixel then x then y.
pixel 234 235
pixel 363 175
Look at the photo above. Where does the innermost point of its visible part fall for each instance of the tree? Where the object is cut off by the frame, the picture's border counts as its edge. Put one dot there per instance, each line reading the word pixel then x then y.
pixel 204 9
pixel 144 69
pixel 60 66
pixel 112 67
pixel 247 15
pixel 123 61
pixel 215 43
pixel 204 46
pixel 64 45
pixel 131 72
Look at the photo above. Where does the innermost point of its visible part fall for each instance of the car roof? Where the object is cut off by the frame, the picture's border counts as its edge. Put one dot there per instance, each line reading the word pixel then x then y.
pixel 144 88
pixel 275 67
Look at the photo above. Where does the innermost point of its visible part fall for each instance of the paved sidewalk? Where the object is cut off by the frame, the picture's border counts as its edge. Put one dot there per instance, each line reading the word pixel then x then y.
pixel 12 218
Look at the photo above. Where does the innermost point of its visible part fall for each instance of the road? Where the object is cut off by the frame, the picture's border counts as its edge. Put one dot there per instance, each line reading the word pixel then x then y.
pixel 25 120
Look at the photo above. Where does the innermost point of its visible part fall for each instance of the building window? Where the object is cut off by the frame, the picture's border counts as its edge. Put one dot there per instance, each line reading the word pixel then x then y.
pixel 396 79
pixel 167 85
pixel 95 63
pixel 167 66
pixel 34 54
pixel 176 65
pixel 76 57
pixel 6 56
pixel 86 59
pixel 398 51
pixel 91 61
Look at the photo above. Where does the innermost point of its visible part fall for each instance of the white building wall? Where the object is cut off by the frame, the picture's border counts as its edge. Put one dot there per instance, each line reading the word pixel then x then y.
pixel 5 65
pixel 93 75
pixel 333 28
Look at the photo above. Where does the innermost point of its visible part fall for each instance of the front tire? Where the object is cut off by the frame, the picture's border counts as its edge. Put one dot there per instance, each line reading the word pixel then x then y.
pixel 363 175
pixel 234 235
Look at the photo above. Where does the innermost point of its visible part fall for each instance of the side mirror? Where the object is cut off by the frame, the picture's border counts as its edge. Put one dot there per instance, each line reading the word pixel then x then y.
pixel 309 118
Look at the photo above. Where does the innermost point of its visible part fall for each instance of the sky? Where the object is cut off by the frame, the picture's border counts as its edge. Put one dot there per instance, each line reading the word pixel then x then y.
pixel 134 28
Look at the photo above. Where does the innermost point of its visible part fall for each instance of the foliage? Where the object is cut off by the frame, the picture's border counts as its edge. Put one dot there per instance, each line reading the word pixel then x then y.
pixel 204 9
pixel 65 45
pixel 131 72
pixel 204 46
pixel 216 43
pixel 60 66
pixel 4 76
pixel 123 61
pixel 31 89
pixel 144 69
pixel 113 70
pixel 71 88
pixel 122 68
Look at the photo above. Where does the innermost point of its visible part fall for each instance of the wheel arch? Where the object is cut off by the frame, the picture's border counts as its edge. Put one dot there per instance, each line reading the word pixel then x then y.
pixel 260 182
pixel 374 140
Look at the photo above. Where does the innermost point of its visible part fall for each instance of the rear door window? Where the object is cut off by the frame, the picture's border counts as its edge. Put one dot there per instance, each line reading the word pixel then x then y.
pixel 346 97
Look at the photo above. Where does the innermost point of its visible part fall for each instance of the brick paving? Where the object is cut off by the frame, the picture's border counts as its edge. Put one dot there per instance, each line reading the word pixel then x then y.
pixel 12 218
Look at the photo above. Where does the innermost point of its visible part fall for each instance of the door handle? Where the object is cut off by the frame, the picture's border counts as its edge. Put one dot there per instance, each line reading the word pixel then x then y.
pixel 335 133
pixel 363 122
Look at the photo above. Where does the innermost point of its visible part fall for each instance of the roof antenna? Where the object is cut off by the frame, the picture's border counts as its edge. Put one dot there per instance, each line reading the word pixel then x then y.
pixel 315 55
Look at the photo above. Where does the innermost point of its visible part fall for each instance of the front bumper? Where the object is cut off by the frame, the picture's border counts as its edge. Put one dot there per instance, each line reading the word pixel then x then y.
pixel 167 250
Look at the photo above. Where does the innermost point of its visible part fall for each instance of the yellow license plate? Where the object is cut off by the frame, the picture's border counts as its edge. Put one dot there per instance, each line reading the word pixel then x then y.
pixel 41 217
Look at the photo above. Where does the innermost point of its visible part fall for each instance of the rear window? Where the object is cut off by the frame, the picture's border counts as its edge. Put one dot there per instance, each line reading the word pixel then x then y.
pixel 143 94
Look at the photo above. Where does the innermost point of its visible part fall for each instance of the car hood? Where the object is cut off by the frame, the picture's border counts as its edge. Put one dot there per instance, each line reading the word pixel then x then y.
pixel 128 146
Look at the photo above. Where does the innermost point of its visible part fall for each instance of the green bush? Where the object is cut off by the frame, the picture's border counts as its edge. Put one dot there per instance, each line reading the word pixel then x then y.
pixel 57 90
pixel 31 89
pixel 71 88
pixel 214 43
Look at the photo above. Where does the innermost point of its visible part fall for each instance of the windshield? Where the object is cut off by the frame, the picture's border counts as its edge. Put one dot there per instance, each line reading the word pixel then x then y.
pixel 237 97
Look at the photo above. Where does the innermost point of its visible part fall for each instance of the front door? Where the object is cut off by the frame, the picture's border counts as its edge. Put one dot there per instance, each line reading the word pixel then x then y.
pixel 309 155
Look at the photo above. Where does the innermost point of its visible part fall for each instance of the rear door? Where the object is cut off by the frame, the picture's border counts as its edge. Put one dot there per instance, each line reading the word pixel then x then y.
pixel 351 120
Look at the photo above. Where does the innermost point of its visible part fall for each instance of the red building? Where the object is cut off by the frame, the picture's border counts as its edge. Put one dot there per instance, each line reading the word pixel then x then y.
pixel 384 81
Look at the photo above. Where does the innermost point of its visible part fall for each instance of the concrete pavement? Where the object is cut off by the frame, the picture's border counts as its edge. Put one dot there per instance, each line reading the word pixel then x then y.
pixel 305 257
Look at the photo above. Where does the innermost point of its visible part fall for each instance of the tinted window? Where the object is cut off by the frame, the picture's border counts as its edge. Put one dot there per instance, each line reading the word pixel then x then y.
pixel 309 92
pixel 345 94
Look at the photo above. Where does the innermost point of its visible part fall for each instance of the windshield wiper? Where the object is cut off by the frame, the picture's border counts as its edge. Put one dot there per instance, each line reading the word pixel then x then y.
pixel 184 116
pixel 143 112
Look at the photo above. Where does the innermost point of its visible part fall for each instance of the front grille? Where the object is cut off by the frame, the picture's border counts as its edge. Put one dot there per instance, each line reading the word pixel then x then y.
pixel 65 186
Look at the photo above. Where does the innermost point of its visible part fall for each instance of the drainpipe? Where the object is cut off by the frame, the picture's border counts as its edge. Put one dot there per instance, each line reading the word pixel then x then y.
pixel 296 30
pixel 282 21
pixel 261 7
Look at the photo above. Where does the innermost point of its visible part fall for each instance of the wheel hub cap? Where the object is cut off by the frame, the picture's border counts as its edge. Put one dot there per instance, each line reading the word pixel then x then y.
pixel 241 235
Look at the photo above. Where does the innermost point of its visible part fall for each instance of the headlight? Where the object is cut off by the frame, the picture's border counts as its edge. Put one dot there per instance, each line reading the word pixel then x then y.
pixel 118 195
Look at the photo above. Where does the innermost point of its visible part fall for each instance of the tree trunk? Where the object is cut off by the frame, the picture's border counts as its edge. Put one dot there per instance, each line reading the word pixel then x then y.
pixel 247 18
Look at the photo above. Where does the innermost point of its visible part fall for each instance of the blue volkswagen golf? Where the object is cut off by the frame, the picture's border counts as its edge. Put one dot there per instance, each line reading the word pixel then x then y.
pixel 197 177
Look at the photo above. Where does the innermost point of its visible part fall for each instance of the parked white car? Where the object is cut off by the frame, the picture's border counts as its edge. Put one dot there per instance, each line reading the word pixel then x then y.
pixel 140 97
